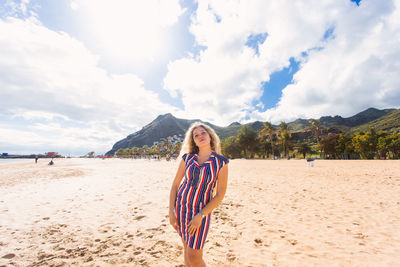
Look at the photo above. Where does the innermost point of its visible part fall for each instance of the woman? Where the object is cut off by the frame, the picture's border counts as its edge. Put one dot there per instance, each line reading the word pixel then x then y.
pixel 191 202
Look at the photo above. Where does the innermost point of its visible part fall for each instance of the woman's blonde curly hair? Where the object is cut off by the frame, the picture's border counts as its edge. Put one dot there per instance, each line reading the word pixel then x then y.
pixel 189 146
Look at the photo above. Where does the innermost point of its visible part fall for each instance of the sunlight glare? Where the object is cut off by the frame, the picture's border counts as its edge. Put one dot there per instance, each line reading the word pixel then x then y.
pixel 130 29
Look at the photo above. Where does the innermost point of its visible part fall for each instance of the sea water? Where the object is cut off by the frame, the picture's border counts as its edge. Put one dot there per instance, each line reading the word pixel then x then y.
pixel 5 161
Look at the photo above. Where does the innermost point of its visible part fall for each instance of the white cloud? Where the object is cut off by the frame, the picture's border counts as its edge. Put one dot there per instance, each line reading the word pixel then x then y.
pixel 128 30
pixel 223 83
pixel 52 83
pixel 354 71
pixel 71 140
pixel 11 8
pixel 24 138
pixel 51 76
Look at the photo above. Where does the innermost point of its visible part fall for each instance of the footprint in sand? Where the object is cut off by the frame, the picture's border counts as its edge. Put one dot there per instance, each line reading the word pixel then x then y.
pixel 142 261
pixel 58 248
pixel 231 257
pixel 139 234
pixel 258 241
pixel 306 248
pixel 105 229
pixel 360 236
pixel 9 256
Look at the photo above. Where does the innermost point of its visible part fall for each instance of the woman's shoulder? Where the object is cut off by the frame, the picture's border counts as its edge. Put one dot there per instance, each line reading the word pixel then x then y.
pixel 187 156
pixel 221 158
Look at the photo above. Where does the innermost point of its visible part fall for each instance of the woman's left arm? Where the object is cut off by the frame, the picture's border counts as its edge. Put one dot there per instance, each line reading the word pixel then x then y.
pixel 222 184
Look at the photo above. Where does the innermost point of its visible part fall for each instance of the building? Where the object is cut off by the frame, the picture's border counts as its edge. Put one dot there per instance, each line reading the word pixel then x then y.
pixel 51 154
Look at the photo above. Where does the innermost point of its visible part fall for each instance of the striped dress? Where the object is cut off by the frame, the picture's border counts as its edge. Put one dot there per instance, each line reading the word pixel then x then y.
pixel 194 193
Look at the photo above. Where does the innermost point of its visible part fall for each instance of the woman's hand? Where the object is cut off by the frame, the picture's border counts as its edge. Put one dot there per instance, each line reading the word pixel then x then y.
pixel 172 220
pixel 194 224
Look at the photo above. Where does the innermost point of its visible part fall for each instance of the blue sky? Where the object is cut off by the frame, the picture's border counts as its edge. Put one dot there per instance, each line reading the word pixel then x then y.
pixel 79 75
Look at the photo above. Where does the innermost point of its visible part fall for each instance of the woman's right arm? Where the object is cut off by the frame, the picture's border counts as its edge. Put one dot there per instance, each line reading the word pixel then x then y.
pixel 174 188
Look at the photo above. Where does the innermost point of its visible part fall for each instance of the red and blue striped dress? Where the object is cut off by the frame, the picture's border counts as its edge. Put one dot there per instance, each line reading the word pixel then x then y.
pixel 194 193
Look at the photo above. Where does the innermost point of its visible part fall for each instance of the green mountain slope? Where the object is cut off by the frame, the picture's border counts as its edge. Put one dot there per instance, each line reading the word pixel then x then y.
pixel 167 125
pixel 298 125
pixel 343 124
pixel 164 126
pixel 388 122
pixel 356 120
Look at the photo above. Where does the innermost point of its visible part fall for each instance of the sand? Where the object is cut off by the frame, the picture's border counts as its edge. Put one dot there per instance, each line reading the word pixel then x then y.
pixel 93 212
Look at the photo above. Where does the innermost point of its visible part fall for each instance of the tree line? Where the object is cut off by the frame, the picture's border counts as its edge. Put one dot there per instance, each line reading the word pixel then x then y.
pixel 280 142
pixel 163 149
pixel 317 141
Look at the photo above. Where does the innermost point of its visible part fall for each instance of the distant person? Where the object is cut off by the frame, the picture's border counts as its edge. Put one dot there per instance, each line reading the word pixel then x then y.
pixel 310 162
pixel 201 169
pixel 36 158
pixel 51 162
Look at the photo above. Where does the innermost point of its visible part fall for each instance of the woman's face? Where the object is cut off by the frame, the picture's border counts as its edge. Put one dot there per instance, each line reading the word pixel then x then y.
pixel 201 137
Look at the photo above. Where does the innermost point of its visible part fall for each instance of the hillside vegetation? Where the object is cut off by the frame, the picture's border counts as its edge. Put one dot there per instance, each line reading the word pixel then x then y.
pixel 294 137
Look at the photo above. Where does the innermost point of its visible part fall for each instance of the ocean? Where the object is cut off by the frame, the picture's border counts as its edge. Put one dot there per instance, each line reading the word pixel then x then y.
pixel 5 161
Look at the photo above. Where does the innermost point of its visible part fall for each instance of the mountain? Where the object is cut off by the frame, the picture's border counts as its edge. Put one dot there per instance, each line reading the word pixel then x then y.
pixel 356 120
pixel 388 122
pixel 163 126
pixel 168 125
pixel 343 124
pixel 298 125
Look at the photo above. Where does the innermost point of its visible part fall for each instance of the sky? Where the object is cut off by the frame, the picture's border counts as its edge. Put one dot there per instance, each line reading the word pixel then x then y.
pixel 79 75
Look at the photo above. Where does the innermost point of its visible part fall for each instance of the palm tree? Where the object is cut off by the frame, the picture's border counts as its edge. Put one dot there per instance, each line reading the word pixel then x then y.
pixel 145 150
pixel 120 152
pixel 283 126
pixel 154 150
pixel 264 148
pixel 247 139
pixel 284 137
pixel 163 147
pixel 316 128
pixel 135 151
pixel 268 131
pixel 231 147
pixel 176 149
pixel 304 148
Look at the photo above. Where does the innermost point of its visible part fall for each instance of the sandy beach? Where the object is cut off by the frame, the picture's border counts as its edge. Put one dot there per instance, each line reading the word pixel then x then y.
pixel 93 212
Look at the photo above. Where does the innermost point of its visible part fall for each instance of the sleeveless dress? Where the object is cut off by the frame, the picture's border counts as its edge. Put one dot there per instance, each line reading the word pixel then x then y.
pixel 194 193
